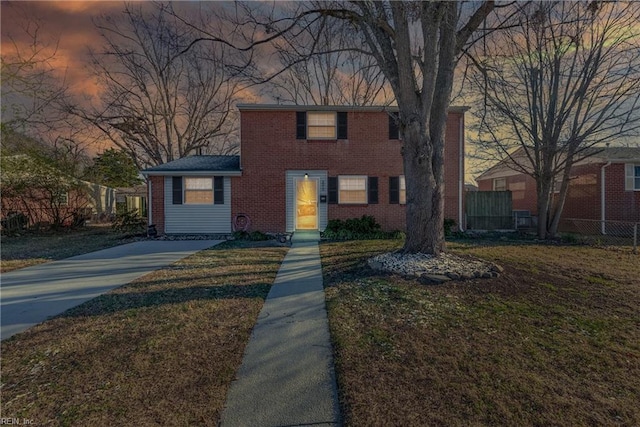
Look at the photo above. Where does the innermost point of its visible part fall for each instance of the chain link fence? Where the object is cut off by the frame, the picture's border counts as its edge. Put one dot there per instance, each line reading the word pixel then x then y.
pixel 608 233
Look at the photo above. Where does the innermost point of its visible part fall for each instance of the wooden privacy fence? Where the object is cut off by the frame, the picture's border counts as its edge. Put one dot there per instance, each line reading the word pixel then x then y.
pixel 489 210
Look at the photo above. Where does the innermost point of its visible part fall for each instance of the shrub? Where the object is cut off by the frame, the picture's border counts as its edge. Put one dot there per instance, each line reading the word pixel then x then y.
pixel 361 228
pixel 129 222
pixel 254 236
pixel 449 224
pixel 14 222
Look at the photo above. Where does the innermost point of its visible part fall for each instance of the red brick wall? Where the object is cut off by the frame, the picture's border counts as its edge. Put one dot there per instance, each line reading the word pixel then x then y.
pixel 157 201
pixel 269 148
pixel 621 205
pixel 584 198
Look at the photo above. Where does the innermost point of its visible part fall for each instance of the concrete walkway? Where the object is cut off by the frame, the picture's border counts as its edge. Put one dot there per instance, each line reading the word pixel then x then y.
pixel 31 295
pixel 287 376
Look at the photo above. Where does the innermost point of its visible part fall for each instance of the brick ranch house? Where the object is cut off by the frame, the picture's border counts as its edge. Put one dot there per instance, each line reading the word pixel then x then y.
pixel 605 186
pixel 300 166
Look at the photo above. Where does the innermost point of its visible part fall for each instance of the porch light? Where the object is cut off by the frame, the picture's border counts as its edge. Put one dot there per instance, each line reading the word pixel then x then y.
pixel 306 176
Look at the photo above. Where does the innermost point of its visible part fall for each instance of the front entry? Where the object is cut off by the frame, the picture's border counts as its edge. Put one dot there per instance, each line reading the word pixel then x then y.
pixel 306 204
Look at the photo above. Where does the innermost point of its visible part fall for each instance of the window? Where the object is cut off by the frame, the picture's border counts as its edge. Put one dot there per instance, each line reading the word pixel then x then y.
pixel 632 177
pixel 198 191
pixel 62 199
pixel 397 190
pixel 321 125
pixel 500 184
pixel 394 128
pixel 352 189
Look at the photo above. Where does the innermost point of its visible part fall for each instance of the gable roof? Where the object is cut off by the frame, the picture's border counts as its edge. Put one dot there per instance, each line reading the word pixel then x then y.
pixel 600 155
pixel 198 165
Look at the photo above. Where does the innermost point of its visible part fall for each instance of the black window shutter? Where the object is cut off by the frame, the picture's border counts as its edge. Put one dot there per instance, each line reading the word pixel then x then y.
pixel 218 190
pixel 394 129
pixel 342 125
pixel 301 125
pixel 372 189
pixel 177 190
pixel 394 190
pixel 333 190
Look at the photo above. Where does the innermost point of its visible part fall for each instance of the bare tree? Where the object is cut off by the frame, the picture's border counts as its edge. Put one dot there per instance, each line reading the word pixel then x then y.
pixel 158 105
pixel 416 45
pixel 555 87
pixel 338 76
pixel 34 93
pixel 30 86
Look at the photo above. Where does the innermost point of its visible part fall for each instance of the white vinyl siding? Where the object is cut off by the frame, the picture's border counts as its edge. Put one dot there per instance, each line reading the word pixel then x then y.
pixel 291 177
pixel 632 177
pixel 197 218
pixel 321 125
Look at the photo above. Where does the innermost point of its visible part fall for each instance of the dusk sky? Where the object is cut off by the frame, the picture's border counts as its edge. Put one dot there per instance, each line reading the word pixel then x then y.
pixel 67 23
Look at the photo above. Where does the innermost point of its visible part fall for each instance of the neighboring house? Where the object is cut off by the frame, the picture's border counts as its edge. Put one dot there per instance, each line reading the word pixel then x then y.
pixel 46 195
pixel 300 166
pixel 604 186
pixel 132 198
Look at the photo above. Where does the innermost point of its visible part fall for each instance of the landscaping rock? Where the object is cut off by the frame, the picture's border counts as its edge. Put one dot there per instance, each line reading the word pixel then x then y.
pixel 434 279
pixel 430 269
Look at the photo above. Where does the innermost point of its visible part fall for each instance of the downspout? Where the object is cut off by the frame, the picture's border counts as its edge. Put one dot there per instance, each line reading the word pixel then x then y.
pixel 149 204
pixel 603 211
pixel 461 176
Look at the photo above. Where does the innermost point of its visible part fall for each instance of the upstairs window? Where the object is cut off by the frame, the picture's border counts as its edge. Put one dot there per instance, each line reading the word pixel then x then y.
pixel 394 126
pixel 321 125
pixel 500 184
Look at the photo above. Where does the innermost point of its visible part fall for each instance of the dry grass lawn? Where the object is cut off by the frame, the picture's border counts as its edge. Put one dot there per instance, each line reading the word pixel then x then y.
pixel 554 341
pixel 31 249
pixel 160 351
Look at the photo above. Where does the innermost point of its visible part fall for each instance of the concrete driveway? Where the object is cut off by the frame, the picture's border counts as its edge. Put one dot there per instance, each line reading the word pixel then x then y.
pixel 31 295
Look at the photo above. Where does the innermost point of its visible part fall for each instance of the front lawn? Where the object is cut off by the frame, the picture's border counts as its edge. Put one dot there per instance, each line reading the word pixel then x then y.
pixel 555 340
pixel 162 350
pixel 32 248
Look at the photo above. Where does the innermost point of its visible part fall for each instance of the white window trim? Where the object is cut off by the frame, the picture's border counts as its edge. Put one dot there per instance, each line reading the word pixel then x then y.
pixel 495 180
pixel 631 177
pixel 335 125
pixel 63 199
pixel 402 180
pixel 185 190
pixel 366 189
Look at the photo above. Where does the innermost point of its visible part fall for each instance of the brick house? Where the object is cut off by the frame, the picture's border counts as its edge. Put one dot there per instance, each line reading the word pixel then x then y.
pixel 300 166
pixel 604 186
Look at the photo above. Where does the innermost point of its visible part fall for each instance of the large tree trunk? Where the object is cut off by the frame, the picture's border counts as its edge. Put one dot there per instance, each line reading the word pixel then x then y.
pixel 425 193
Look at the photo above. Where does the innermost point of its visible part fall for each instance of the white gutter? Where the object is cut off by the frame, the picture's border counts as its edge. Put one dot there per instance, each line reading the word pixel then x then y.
pixel 461 176
pixel 603 211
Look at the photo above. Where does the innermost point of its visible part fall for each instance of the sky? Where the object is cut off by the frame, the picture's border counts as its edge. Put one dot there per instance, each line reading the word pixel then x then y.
pixel 67 24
